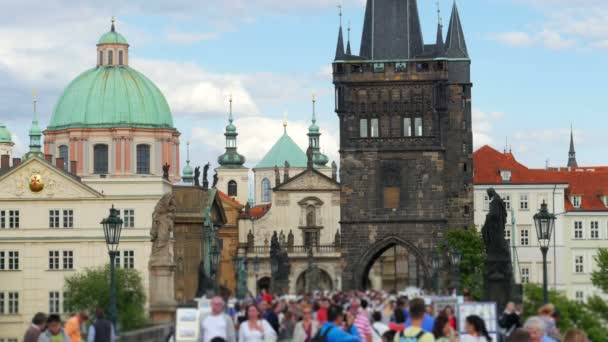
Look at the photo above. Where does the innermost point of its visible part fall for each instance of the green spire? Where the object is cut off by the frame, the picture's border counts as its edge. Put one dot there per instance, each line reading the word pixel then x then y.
pixel 188 174
pixel 35 135
pixel 231 159
pixel 319 159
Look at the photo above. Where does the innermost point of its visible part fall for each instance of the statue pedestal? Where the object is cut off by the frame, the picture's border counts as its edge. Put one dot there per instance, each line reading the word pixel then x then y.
pixel 498 282
pixel 162 293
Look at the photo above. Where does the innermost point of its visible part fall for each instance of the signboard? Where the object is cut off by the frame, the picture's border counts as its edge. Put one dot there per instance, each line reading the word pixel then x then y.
pixel 439 303
pixel 186 325
pixel 486 310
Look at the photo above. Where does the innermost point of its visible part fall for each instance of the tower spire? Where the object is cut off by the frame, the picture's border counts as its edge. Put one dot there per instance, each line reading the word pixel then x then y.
pixel 285 123
pixel 314 137
pixel 340 45
pixel 113 27
pixel 314 103
pixel 572 153
pixel 231 158
pixel 230 118
pixel 456 44
pixel 348 52
pixel 439 45
pixel 35 132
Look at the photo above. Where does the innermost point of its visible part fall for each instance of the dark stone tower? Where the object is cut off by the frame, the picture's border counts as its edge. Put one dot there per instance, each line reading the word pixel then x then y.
pixel 572 152
pixel 405 140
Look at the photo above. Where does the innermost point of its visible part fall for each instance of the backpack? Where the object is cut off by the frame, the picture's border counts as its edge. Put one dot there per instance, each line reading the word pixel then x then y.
pixel 403 338
pixel 321 337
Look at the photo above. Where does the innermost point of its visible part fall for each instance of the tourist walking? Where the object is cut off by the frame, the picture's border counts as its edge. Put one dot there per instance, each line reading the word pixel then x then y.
pixel 307 328
pixel 443 331
pixel 217 323
pixel 378 327
pixel 101 330
pixel 417 312
pixel 332 330
pixel 269 315
pixel 537 329
pixel 72 326
pixel 287 327
pixel 364 328
pixel 54 332
pixel 33 332
pixel 476 330
pixel 255 328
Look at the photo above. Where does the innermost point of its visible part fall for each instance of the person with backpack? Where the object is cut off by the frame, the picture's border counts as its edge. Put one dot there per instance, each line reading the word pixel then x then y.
pixel 332 330
pixel 102 329
pixel 378 327
pixel 415 333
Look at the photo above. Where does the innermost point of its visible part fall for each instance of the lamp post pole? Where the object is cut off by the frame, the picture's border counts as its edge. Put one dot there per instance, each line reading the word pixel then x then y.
pixel 113 309
pixel 544 222
pixel 544 250
pixel 455 258
pixel 112 226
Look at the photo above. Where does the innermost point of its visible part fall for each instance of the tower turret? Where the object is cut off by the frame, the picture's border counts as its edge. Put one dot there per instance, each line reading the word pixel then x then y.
pixel 231 158
pixel 319 159
pixel 35 134
pixel 572 153
pixel 188 173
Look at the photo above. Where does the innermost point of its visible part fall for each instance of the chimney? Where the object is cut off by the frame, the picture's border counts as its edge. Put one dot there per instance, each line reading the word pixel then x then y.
pixel 73 166
pixel 5 161
pixel 16 162
pixel 59 163
pixel 49 158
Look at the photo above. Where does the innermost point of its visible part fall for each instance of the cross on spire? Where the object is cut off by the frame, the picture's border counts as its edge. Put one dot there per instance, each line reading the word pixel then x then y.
pixel 188 151
pixel 230 100
pixel 113 28
pixel 285 122
pixel 314 102
pixel 440 21
pixel 339 5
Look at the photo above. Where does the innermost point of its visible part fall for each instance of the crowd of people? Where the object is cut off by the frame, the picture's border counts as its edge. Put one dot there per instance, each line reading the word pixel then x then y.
pixel 50 329
pixel 367 317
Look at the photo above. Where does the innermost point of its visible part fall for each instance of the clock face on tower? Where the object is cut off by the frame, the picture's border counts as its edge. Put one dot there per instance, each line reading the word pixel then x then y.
pixel 36 184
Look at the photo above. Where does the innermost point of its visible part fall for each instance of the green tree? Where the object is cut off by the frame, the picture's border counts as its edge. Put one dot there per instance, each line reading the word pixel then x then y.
pixel 573 314
pixel 599 278
pixel 470 244
pixel 90 289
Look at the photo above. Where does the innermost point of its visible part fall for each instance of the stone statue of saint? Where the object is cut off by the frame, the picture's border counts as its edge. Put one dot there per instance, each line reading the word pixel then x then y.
pixel 286 171
pixel 215 180
pixel 166 168
pixel 205 173
pixel 334 170
pixel 493 230
pixel 162 229
pixel 313 276
pixel 309 158
pixel 282 239
pixel 290 240
pixel 197 175
pixel 277 175
pixel 241 287
pixel 205 284
pixel 279 266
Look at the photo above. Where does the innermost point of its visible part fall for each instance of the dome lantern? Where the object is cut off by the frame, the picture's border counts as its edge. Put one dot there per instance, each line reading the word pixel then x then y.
pixel 112 48
pixel 319 159
pixel 231 158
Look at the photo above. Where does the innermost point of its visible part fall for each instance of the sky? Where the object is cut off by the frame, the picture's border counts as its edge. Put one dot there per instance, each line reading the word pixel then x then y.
pixel 538 67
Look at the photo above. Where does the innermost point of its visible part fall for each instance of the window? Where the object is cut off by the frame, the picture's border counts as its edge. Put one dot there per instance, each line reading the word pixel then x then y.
pixel 578 230
pixel 400 67
pixel 486 202
pixel 2 300
pixel 523 201
pixel 2 262
pixel 594 230
pixel 311 238
pixel 524 238
pixel 64 153
pixel 13 303
pixel 53 260
pixel 13 260
pixel 407 127
pixel 110 57
pixel 128 218
pixel 525 275
pixel 64 305
pixel 363 128
pixel 375 130
pixel 117 259
pixel 576 201
pixel 100 57
pixel 579 261
pixel 143 159
pixel 100 159
pixel 418 127
pixel 508 237
pixel 128 259
pixel 506 176
pixel 391 179
pixel 54 218
pixel 9 219
pixel 507 200
pixel 311 216
pixel 378 67
pixel 579 296
pixel 54 302
pixel 120 53
pixel 232 188
pixel 68 260
pixel 266 191
pixel 68 218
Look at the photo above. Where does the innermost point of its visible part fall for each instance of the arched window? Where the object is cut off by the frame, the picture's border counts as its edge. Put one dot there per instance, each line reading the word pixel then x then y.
pixel 100 57
pixel 110 57
pixel 311 216
pixel 63 153
pixel 266 190
pixel 100 159
pixel 143 159
pixel 120 57
pixel 232 188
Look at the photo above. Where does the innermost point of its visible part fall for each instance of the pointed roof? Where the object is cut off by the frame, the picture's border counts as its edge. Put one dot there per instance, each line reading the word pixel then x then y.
pixel 455 41
pixel 439 46
pixel 391 30
pixel 572 153
pixel 285 149
pixel 340 46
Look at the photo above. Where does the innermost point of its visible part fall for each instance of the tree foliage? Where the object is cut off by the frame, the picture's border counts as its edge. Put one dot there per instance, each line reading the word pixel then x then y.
pixel 573 314
pixel 599 278
pixel 90 289
pixel 470 244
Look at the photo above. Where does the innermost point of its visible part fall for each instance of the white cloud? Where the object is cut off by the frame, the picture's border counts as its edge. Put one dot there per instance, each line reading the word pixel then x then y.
pixel 516 38
pixel 547 38
pixel 187 38
pixel 554 40
pixel 483 124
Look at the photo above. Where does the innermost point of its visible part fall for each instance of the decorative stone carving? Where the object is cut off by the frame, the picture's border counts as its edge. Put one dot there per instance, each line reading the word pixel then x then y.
pixel 162 230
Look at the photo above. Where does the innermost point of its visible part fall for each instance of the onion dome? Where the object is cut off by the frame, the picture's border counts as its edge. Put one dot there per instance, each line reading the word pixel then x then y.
pixel 231 158
pixel 5 135
pixel 314 139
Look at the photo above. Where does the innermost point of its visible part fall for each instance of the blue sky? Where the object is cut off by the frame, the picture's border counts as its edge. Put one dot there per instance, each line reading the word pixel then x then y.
pixel 538 66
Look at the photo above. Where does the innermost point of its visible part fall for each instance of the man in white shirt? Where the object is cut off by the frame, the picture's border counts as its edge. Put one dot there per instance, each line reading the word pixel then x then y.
pixel 217 323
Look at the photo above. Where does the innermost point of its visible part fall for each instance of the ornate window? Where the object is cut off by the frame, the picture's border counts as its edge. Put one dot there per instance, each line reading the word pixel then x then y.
pixel 100 57
pixel 266 190
pixel 143 159
pixel 100 159
pixel 120 61
pixel 110 57
pixel 232 188
pixel 64 153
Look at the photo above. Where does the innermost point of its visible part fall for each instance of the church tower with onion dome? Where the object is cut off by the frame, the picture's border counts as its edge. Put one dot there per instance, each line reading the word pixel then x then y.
pixel 113 122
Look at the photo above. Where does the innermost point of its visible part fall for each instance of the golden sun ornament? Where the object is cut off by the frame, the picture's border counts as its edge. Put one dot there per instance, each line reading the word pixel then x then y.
pixel 36 184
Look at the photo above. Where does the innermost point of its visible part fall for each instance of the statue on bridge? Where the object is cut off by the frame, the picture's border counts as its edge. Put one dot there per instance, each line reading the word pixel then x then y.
pixel 280 267
pixel 162 229
pixel 313 274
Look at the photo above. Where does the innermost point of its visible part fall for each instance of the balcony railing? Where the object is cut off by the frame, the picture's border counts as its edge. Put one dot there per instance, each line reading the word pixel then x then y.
pixel 319 249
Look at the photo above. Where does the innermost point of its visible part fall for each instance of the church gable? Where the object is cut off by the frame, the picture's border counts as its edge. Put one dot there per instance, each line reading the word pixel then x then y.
pixel 309 180
pixel 36 179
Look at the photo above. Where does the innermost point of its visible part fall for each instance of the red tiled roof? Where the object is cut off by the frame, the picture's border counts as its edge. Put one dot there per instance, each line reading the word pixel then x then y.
pixel 257 212
pixel 229 199
pixel 588 182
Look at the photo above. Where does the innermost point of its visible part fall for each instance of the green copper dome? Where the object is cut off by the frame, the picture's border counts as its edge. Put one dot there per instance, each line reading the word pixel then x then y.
pixel 230 128
pixel 188 172
pixel 111 96
pixel 112 37
pixel 5 135
pixel 285 149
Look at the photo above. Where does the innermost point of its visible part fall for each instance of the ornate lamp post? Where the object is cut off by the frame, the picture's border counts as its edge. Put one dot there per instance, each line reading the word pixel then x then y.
pixel 455 258
pixel 112 226
pixel 256 269
pixel 215 264
pixel 544 222
pixel 436 263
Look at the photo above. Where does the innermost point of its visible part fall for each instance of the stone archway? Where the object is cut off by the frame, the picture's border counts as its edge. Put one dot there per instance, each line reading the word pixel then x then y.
pixel 326 283
pixel 419 270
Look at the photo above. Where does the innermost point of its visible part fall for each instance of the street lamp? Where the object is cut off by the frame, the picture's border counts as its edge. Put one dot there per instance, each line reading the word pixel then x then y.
pixel 544 222
pixel 256 269
pixel 112 226
pixel 455 258
pixel 437 263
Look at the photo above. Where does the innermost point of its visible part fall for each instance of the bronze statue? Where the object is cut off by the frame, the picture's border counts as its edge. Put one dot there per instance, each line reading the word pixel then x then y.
pixel 309 158
pixel 197 175
pixel 493 230
pixel 334 171
pixel 162 229
pixel 277 176
pixel 215 180
pixel 279 266
pixel 205 172
pixel 286 171
pixel 313 276
pixel 166 168
pixel 205 284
